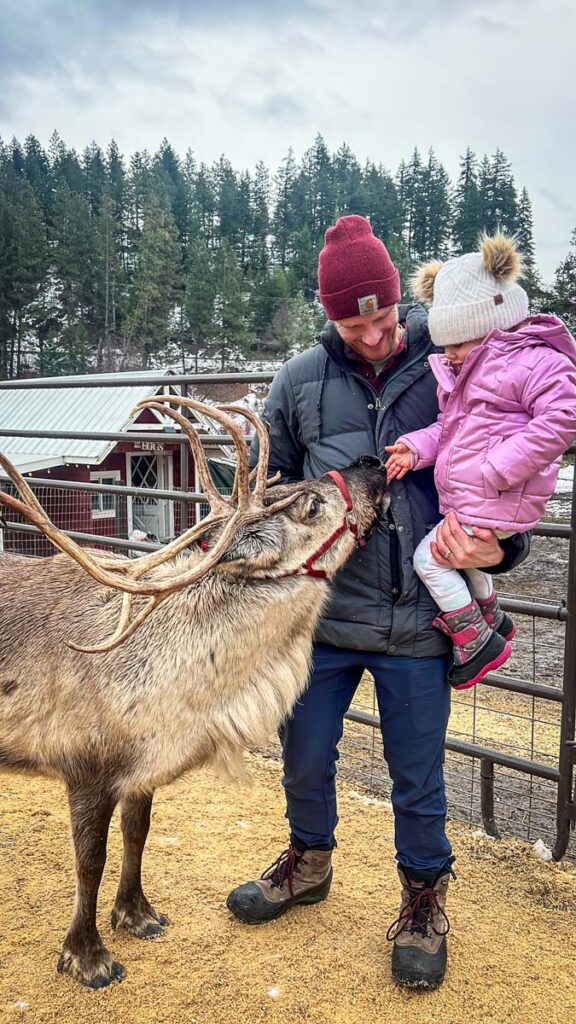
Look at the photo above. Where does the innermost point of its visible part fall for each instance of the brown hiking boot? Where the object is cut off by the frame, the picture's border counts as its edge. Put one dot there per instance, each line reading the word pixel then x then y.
pixel 293 878
pixel 419 932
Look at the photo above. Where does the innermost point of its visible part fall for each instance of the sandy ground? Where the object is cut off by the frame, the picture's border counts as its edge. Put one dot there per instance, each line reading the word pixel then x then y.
pixel 512 948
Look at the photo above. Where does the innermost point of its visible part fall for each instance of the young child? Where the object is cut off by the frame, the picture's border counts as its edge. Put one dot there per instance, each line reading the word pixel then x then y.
pixel 507 396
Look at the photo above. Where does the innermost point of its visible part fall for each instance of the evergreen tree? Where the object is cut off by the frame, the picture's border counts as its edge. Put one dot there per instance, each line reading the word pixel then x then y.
pixel 564 293
pixel 467 217
pixel 17 158
pixel 227 202
pixel 72 257
pixel 293 328
pixel 22 270
pixel 317 185
pixel 204 201
pixel 432 214
pixel 102 263
pixel 109 284
pixel 168 177
pixel 116 180
pixel 487 218
pixel 284 224
pixel 349 189
pixel 413 199
pixel 37 171
pixel 199 303
pixel 498 198
pixel 305 321
pixel 232 337
pixel 95 183
pixel 65 166
pixel 504 196
pixel 269 294
pixel 261 197
pixel 138 189
pixel 530 279
pixel 244 221
pixel 189 171
pixel 155 281
pixel 304 262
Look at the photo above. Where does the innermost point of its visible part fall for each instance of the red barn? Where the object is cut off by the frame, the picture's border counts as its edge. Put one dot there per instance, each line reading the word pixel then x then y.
pixel 154 465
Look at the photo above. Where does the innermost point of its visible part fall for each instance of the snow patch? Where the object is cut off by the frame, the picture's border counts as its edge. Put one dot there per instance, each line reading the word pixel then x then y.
pixel 369 801
pixel 541 851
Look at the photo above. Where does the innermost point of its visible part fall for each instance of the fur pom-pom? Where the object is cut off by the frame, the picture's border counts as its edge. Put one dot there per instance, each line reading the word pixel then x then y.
pixel 422 281
pixel 501 257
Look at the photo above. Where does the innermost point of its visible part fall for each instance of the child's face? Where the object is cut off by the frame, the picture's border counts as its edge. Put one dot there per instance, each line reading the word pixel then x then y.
pixel 456 354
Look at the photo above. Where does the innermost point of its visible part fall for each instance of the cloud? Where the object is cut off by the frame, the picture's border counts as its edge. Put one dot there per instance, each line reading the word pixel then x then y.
pixel 253 78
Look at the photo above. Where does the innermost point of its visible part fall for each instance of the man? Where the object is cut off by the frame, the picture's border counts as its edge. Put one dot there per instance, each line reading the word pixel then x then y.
pixel 364 385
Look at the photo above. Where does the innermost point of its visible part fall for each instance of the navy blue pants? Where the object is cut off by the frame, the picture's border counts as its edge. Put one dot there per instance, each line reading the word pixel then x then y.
pixel 414 703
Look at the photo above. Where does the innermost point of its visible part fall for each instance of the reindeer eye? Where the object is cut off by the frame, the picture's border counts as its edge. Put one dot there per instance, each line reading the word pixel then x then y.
pixel 313 509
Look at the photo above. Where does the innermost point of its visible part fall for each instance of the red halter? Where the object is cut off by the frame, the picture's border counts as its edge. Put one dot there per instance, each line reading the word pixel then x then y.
pixel 349 523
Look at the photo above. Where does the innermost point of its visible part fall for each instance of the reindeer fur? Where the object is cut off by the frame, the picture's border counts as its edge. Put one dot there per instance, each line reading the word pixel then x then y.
pixel 213 671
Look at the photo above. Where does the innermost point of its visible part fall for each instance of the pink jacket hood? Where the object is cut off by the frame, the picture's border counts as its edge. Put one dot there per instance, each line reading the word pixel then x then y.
pixel 543 329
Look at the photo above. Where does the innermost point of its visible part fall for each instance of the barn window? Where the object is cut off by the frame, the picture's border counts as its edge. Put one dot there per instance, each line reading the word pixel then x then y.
pixel 104 505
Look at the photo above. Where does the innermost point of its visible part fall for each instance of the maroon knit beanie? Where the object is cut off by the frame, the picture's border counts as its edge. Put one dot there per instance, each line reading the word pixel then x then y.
pixel 355 272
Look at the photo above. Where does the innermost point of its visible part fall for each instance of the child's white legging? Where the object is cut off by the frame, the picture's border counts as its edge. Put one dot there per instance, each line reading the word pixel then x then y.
pixel 452 589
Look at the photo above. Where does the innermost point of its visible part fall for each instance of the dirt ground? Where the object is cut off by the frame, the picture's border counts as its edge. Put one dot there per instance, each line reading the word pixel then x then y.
pixel 512 949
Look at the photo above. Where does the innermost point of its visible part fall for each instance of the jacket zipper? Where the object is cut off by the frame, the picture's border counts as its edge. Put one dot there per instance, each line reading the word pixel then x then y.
pixel 393 540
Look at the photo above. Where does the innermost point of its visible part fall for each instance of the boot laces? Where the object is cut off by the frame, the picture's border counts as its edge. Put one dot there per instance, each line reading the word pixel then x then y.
pixel 419 913
pixel 283 868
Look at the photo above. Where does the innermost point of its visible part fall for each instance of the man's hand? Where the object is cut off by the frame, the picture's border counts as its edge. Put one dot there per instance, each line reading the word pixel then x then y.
pixel 400 462
pixel 455 549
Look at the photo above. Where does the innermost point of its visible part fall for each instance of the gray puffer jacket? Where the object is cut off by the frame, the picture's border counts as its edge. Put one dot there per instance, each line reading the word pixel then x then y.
pixel 322 415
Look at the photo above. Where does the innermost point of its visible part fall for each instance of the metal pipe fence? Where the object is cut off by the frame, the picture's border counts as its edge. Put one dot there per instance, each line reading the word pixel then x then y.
pixel 511 747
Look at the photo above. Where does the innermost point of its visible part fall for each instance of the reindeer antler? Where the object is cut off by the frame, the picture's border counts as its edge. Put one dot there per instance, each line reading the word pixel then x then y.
pixel 243 506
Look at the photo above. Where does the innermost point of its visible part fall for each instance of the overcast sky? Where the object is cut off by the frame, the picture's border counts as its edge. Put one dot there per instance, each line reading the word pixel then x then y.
pixel 250 78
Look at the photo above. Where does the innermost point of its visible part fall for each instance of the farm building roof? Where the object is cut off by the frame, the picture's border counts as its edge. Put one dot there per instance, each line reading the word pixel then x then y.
pixel 80 409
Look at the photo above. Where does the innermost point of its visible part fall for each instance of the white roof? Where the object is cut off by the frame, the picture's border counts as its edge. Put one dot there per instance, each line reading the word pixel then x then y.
pixel 71 409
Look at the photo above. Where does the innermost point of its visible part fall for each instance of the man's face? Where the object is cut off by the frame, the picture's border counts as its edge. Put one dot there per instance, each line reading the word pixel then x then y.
pixel 373 336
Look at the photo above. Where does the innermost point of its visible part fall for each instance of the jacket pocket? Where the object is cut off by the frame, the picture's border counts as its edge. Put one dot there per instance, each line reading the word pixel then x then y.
pixel 491 490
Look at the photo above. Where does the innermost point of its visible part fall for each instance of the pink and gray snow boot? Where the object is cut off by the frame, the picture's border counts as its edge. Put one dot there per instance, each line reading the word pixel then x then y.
pixel 478 650
pixel 498 620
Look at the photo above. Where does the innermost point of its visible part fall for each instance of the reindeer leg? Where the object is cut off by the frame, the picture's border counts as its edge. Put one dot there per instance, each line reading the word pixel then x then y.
pixel 132 910
pixel 84 955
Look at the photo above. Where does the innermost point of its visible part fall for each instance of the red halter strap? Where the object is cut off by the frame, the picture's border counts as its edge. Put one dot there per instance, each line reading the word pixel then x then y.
pixel 349 523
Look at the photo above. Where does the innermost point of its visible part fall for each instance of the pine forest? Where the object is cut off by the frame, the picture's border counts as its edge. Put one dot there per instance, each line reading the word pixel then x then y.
pixel 113 263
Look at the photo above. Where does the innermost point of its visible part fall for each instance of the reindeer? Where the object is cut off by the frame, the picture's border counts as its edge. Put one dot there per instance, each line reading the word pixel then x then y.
pixel 136 698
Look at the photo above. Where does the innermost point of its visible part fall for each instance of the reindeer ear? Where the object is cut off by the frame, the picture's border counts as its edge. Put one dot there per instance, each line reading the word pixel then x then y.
pixel 501 257
pixel 257 546
pixel 422 281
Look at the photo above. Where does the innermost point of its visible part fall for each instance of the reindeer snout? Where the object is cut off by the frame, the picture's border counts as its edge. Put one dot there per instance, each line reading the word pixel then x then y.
pixel 369 460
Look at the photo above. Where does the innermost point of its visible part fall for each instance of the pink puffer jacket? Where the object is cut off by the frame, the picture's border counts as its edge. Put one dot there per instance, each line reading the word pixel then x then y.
pixel 504 423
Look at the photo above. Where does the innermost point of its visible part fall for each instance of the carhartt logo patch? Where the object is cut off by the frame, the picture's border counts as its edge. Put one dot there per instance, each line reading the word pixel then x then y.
pixel 498 299
pixel 368 304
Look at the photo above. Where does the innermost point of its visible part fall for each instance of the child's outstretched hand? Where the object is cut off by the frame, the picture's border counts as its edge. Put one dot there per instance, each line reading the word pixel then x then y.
pixel 401 460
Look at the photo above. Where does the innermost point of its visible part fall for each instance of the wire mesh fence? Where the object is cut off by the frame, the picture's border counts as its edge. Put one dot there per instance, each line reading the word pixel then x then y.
pixel 522 725
pixel 516 723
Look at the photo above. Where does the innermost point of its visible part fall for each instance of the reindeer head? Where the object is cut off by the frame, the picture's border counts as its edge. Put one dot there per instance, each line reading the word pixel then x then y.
pixel 317 531
pixel 309 527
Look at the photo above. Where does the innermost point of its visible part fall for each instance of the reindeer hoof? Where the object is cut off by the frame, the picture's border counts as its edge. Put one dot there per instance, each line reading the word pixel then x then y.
pixel 93 972
pixel 142 923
